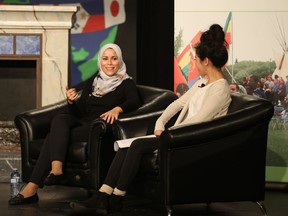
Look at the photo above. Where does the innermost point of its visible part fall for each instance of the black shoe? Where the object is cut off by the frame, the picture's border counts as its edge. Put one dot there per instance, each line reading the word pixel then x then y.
pixel 115 203
pixel 20 200
pixel 52 179
pixel 98 202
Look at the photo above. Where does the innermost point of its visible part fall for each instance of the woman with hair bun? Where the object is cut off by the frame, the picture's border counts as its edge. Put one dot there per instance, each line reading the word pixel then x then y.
pixel 207 99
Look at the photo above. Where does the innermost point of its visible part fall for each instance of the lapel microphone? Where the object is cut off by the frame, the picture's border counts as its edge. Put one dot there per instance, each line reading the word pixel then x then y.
pixel 202 85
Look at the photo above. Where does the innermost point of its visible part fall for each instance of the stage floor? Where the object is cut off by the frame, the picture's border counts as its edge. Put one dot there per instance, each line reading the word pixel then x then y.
pixel 54 201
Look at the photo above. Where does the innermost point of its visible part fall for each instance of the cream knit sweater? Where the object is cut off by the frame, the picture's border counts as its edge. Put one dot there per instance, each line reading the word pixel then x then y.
pixel 214 104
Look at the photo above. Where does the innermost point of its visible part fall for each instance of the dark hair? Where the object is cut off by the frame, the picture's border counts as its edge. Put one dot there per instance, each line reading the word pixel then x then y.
pixel 213 46
pixel 237 86
pixel 182 88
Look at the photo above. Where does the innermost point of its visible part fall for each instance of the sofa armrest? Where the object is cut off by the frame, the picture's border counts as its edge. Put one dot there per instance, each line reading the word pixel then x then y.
pixel 222 126
pixel 100 151
pixel 35 124
pixel 135 126
pixel 32 125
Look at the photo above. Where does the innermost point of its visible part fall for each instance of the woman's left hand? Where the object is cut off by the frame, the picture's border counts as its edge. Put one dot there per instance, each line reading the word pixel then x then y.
pixel 112 115
pixel 158 132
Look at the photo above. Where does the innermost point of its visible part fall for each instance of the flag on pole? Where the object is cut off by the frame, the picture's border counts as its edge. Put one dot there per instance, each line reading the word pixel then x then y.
pixel 228 28
pixel 228 37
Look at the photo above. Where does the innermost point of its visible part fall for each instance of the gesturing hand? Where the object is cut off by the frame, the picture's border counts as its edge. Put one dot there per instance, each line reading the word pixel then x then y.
pixel 71 94
pixel 111 115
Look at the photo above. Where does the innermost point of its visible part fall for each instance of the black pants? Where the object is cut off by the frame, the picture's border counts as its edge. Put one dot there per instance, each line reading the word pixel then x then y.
pixel 64 128
pixel 126 162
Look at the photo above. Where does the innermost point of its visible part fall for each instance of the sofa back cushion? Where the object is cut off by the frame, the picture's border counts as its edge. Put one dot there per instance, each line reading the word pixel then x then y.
pixel 241 101
pixel 154 99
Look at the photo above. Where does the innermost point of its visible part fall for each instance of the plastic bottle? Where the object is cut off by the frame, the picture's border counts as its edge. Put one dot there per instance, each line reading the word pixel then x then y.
pixel 14 182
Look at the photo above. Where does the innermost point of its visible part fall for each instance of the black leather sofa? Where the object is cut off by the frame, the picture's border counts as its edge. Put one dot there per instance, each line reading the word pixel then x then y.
pixel 83 159
pixel 222 160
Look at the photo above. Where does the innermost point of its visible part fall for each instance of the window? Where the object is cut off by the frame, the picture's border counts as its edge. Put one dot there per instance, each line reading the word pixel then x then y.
pixel 20 44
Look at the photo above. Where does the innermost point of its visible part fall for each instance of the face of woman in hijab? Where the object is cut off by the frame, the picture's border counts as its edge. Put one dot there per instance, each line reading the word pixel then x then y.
pixel 109 62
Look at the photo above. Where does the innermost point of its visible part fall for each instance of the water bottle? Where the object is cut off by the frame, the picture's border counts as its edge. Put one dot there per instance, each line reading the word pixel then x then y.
pixel 14 182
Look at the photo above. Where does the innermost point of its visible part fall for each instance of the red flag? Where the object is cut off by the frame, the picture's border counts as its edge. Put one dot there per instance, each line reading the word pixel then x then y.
pixel 179 78
pixel 186 62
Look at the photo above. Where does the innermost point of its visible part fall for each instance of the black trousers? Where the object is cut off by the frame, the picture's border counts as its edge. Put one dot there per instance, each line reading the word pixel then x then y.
pixel 126 162
pixel 64 129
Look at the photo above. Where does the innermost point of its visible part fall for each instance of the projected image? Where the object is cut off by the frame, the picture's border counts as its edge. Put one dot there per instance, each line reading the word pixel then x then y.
pixel 257 65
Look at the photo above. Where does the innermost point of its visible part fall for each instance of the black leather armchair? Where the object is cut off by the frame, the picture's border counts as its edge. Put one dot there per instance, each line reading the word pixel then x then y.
pixel 222 160
pixel 83 159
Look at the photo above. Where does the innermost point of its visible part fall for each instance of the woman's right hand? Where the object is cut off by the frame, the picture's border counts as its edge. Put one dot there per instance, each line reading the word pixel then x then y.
pixel 71 95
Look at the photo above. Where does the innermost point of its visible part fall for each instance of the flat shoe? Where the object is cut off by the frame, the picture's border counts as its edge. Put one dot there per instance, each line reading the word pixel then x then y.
pixel 98 203
pixel 52 179
pixel 20 200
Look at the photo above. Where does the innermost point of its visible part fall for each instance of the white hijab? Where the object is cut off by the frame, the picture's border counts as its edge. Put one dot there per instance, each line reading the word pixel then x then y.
pixel 104 84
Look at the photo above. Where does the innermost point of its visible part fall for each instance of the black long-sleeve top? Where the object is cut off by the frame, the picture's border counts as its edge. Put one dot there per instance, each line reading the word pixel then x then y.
pixel 89 107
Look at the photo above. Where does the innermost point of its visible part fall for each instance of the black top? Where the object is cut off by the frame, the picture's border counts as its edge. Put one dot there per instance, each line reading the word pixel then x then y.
pixel 89 107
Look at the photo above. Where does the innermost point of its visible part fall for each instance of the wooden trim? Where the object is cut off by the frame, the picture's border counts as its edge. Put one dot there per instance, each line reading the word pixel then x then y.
pixel 38 83
pixel 37 58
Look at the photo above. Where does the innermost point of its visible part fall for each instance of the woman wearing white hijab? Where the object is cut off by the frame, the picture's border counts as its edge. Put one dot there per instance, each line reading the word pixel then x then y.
pixel 106 95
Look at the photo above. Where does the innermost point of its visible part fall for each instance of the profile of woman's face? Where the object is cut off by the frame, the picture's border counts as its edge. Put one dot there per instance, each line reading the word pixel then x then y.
pixel 109 62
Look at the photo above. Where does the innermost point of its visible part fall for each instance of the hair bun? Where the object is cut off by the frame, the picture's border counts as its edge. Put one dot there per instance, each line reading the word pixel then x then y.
pixel 215 35
pixel 213 46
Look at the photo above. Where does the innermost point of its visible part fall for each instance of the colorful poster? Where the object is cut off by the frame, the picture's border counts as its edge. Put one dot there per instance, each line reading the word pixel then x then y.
pixel 95 24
